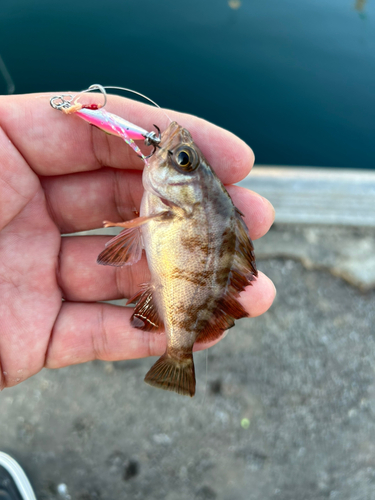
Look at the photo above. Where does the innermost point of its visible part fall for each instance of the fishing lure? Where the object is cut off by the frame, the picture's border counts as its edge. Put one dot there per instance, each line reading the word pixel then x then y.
pixel 96 115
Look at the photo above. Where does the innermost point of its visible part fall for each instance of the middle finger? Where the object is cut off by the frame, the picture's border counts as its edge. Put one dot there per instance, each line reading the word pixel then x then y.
pixel 81 201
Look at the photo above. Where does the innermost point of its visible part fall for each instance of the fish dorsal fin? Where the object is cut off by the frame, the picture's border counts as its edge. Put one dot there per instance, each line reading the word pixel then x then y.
pixel 122 250
pixel 244 261
pixel 145 315
pixel 243 272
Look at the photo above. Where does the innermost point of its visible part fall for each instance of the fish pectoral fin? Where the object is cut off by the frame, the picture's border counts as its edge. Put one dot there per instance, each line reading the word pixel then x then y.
pixel 137 222
pixel 122 250
pixel 126 248
pixel 145 316
pixel 172 374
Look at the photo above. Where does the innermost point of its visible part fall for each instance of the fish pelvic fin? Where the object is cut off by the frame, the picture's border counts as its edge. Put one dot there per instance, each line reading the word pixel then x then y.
pixel 145 316
pixel 172 374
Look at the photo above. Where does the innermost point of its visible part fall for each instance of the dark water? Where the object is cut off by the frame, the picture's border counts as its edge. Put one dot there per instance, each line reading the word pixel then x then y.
pixel 294 78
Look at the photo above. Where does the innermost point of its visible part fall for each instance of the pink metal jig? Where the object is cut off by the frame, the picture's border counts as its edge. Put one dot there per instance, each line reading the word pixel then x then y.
pixel 108 122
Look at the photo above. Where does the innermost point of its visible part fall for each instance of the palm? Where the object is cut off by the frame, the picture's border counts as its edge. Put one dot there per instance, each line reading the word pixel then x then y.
pixel 52 181
pixel 31 298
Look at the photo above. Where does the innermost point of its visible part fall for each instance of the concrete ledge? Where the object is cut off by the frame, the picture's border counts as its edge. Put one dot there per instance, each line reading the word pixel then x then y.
pixel 344 251
pixel 317 195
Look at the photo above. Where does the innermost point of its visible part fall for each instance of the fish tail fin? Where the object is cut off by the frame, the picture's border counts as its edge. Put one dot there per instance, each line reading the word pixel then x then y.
pixel 172 374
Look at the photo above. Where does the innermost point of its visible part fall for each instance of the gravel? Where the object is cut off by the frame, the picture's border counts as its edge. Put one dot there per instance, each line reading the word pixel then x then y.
pixel 284 410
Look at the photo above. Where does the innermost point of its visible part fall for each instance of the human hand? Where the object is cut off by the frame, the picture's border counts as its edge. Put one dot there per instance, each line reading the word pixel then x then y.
pixel 59 175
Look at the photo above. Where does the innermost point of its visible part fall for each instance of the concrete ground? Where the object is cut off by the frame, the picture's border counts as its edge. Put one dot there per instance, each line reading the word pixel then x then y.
pixel 285 407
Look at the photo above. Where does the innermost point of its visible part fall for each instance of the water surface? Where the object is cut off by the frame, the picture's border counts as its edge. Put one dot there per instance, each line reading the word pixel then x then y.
pixel 295 80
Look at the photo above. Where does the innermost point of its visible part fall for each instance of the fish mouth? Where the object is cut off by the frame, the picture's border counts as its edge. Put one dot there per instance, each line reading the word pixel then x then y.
pixel 173 135
pixel 169 134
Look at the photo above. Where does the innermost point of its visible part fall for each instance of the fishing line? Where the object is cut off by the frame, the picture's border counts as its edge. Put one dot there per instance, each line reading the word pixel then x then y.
pixel 102 88
pixel 139 94
pixel 206 383
pixel 95 86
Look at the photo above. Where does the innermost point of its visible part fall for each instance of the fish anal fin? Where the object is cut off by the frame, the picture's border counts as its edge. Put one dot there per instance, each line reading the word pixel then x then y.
pixel 172 374
pixel 145 316
pixel 122 250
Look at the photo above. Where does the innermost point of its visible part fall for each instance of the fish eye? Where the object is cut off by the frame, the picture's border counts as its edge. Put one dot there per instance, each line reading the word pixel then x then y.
pixel 186 158
pixel 183 159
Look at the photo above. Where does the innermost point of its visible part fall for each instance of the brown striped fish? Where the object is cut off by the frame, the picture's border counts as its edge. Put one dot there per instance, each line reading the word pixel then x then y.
pixel 198 251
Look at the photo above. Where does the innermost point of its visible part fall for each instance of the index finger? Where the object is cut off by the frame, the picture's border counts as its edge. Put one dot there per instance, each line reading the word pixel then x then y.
pixel 55 144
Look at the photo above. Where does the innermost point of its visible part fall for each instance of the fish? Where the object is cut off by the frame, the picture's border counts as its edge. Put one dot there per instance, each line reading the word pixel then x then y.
pixel 198 251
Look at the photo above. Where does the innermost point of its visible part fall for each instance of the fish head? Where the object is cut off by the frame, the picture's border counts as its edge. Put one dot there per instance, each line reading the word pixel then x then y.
pixel 176 171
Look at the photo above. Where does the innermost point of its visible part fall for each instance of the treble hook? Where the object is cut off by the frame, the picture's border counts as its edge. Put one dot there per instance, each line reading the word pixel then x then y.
pixel 151 139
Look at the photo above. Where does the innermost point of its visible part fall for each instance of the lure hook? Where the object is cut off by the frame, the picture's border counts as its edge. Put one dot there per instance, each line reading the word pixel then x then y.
pixel 151 139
